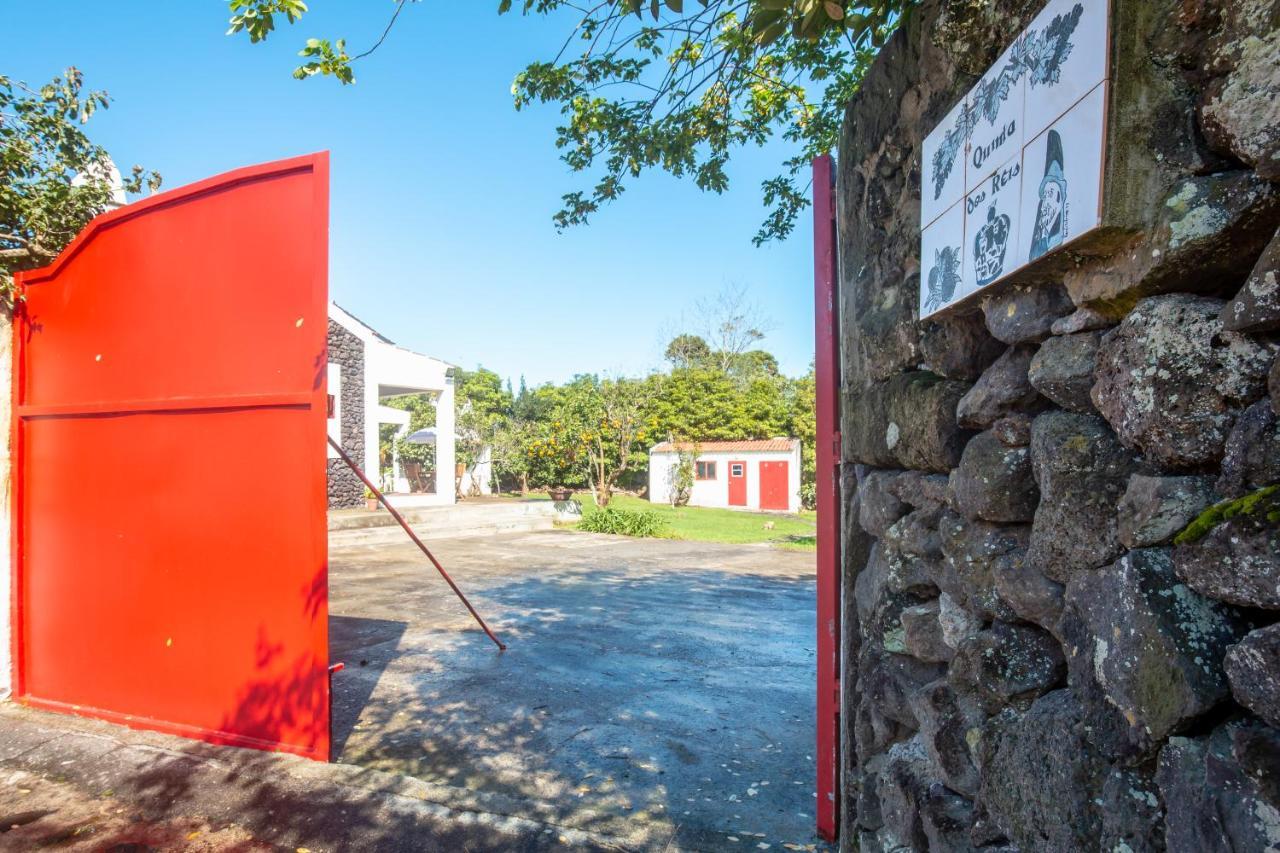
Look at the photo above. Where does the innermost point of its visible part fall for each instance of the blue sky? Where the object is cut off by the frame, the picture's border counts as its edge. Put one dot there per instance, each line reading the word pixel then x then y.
pixel 442 194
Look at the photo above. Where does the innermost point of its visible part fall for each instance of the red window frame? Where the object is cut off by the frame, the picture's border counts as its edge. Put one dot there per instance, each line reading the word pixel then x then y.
pixel 701 470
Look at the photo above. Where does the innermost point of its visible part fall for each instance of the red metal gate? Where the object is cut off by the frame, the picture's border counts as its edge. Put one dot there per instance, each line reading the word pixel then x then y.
pixel 169 363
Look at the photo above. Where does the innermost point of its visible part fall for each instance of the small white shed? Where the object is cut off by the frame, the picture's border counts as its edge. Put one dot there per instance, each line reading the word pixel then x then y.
pixel 756 475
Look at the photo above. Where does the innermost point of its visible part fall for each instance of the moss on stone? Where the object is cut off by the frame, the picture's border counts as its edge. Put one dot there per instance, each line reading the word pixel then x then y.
pixel 1249 505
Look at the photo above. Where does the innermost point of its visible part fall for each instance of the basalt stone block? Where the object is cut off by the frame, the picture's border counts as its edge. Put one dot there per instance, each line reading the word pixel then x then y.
pixel 878 334
pixel 1082 470
pixel 1013 430
pixel 947 722
pixel 916 534
pixel 1240 110
pixel 1003 389
pixel 868 842
pixel 856 542
pixel 1132 814
pixel 1238 560
pixel 871 584
pixel 873 732
pixel 1253 668
pixel 947 819
pixel 878 506
pixel 922 634
pixel 958 347
pixel 1112 737
pixel 921 490
pixel 902 786
pixel 1041 780
pixel 1273 386
pixel 957 623
pixel 1209 231
pixel 984 743
pixel 881 595
pixel 886 682
pixel 1007 665
pixel 1083 320
pixel 1256 308
pixel 1155 509
pixel 970 549
pixel 909 574
pixel 1156 646
pixel 868 812
pixel 1062 370
pixel 908 421
pixel 1222 792
pixel 1026 590
pixel 1026 313
pixel 1171 381
pixel 994 482
pixel 1252 458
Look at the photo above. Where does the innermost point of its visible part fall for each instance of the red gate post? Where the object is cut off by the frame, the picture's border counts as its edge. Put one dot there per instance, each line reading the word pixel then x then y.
pixel 826 366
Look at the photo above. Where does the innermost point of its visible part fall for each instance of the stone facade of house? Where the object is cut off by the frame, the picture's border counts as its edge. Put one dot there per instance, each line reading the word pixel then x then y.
pixel 347 350
pixel 1061 521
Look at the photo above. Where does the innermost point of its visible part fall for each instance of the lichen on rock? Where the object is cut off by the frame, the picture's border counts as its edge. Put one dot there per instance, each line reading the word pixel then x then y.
pixel 1171 381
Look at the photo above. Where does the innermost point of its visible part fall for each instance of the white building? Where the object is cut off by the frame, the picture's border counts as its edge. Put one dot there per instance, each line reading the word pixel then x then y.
pixel 756 475
pixel 364 369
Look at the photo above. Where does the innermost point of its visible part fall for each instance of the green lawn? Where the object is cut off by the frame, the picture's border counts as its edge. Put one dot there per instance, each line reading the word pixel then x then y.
pixel 703 524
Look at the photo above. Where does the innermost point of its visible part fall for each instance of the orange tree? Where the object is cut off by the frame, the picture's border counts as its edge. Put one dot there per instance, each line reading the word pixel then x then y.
pixel 600 431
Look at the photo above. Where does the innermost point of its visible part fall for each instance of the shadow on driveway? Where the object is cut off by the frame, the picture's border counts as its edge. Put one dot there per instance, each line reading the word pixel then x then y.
pixel 653 686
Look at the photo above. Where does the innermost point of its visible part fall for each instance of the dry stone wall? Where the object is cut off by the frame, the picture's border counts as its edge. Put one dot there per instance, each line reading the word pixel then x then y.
pixel 347 351
pixel 1062 508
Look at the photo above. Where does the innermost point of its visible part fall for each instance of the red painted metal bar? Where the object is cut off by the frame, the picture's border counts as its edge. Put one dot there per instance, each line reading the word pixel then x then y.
pixel 826 365
pixel 409 530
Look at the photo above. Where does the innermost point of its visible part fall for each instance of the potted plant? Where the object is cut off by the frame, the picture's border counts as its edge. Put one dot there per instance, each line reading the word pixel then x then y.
pixel 370 500
pixel 560 493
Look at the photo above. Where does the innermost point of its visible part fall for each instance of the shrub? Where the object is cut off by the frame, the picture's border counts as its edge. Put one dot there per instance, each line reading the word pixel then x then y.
pixel 622 522
pixel 809 495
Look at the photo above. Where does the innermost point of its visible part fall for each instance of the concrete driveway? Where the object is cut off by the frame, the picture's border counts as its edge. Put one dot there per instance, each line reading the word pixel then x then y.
pixel 657 692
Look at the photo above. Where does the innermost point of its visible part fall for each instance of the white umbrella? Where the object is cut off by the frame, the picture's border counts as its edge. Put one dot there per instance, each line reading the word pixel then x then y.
pixel 422 436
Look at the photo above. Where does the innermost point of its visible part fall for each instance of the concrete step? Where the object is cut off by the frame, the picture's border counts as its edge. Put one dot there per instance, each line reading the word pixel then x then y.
pixel 478 519
pixel 393 534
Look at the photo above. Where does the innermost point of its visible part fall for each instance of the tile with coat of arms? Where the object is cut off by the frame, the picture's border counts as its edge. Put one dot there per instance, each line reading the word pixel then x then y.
pixel 991 226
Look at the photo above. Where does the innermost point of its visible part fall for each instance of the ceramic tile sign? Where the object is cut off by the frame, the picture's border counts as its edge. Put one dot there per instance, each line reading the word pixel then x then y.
pixel 996 105
pixel 991 226
pixel 941 258
pixel 993 154
pixel 1065 50
pixel 946 153
pixel 1062 187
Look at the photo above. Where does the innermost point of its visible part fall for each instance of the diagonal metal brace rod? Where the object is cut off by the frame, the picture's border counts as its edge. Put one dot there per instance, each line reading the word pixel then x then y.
pixel 409 530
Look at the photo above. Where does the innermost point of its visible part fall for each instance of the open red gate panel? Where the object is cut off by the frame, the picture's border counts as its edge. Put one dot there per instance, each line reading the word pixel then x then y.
pixel 170 552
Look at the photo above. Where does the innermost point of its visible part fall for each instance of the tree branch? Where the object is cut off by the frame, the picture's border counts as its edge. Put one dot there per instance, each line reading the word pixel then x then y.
pixel 385 33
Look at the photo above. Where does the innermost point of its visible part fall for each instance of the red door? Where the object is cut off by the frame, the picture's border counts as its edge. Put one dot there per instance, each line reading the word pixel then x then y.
pixel 170 358
pixel 773 486
pixel 737 484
